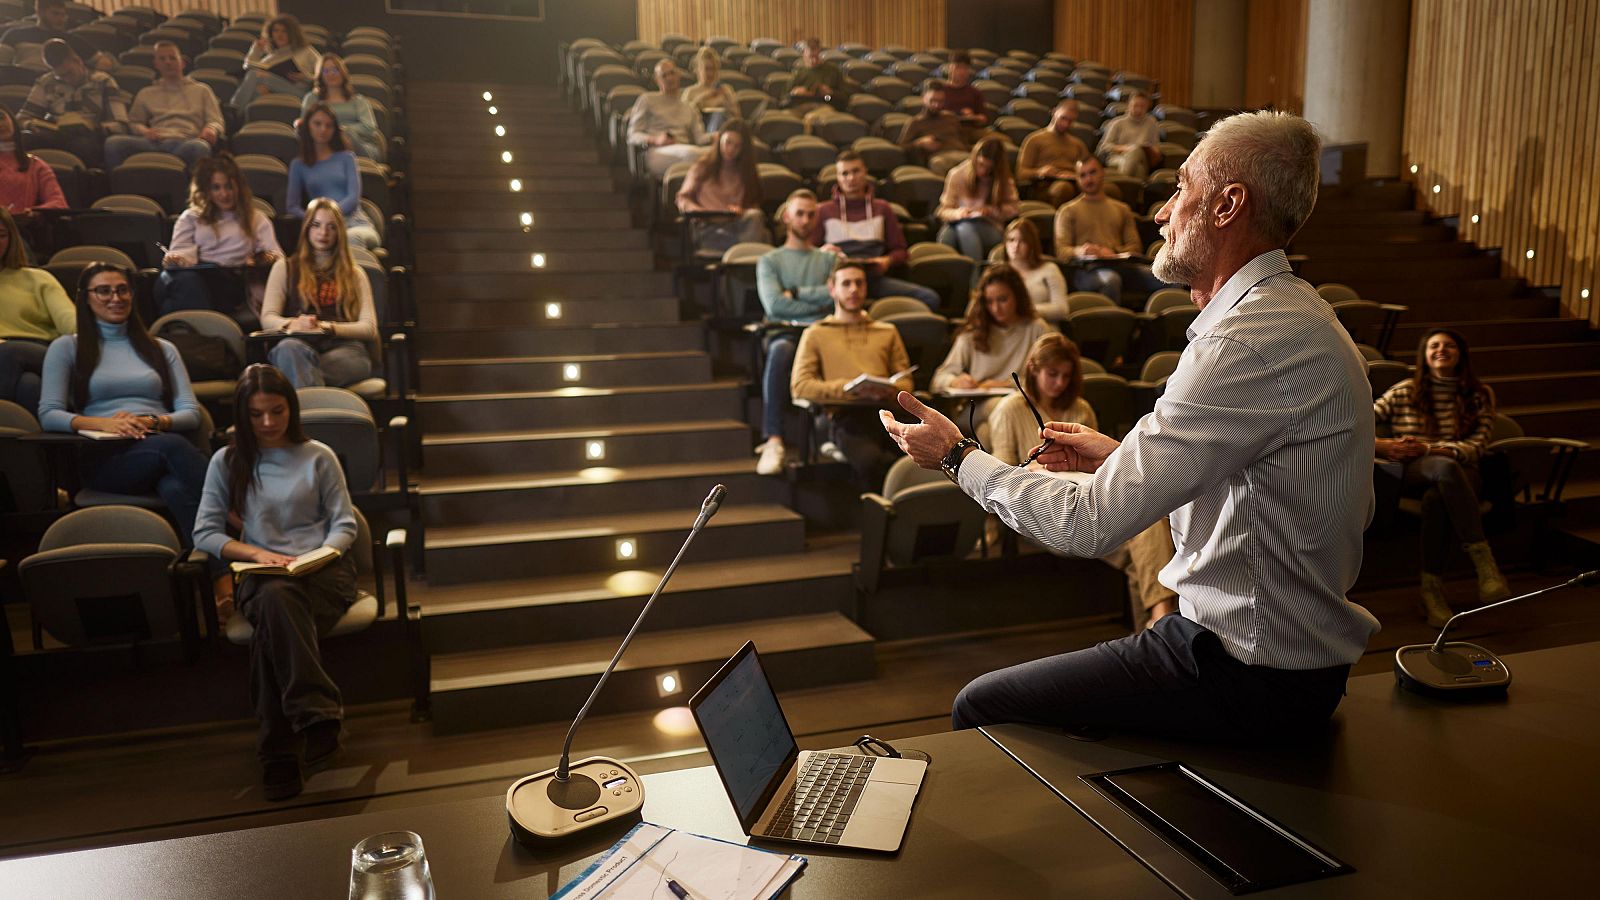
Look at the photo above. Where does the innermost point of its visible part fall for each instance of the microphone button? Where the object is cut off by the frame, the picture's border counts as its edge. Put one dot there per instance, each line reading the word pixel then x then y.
pixel 588 814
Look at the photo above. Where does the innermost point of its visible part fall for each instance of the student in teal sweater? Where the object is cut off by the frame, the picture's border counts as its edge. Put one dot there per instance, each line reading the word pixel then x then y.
pixel 113 376
pixel 288 494
pixel 792 282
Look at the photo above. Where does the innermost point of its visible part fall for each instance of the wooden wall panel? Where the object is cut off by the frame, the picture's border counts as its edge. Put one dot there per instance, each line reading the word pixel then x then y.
pixel 1503 115
pixel 913 23
pixel 228 9
pixel 1151 37
pixel 1275 69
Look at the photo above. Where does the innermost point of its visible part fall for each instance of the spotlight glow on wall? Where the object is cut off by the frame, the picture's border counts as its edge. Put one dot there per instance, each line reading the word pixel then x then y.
pixel 552 310
pixel 627 548
pixel 538 260
pixel 487 96
pixel 593 450
pixel 516 185
pixel 505 156
pixel 572 372
pixel 499 131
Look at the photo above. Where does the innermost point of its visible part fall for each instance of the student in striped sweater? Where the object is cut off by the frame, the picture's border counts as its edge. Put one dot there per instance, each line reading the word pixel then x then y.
pixel 1441 420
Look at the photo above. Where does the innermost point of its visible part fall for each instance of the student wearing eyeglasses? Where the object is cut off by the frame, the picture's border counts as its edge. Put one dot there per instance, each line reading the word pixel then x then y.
pixel 113 376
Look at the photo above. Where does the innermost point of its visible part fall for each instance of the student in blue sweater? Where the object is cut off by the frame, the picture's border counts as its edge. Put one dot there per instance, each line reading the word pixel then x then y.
pixel 288 494
pixel 112 376
pixel 327 168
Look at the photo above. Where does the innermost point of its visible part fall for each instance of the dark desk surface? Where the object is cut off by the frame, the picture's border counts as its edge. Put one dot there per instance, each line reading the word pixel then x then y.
pixel 1423 797
pixel 982 826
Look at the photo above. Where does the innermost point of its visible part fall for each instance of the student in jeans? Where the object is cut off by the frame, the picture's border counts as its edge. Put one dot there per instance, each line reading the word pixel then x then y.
pixel 1094 226
pixel 113 376
pixel 327 168
pixel 34 311
pixel 71 108
pixel 1441 419
pixel 281 61
pixel 1131 143
pixel 792 282
pixel 664 124
pixel 993 342
pixel 322 298
pixel 26 182
pixel 177 115
pixel 288 494
pixel 1054 382
pixel 832 353
pixel 221 227
pixel 857 225
pixel 353 111
pixel 1047 287
pixel 979 198
pixel 723 180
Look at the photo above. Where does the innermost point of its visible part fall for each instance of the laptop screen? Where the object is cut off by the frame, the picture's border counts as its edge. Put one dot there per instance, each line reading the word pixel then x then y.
pixel 745 730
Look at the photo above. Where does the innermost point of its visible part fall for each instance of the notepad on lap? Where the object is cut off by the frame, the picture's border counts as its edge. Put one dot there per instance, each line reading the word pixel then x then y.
pixel 94 435
pixel 638 867
pixel 304 564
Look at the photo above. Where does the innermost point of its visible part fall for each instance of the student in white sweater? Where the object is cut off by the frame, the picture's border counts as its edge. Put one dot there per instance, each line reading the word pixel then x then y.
pixel 1047 287
pixel 1001 326
pixel 323 300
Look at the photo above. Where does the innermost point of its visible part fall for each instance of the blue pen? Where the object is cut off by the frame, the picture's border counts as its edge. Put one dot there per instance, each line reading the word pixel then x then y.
pixel 677 890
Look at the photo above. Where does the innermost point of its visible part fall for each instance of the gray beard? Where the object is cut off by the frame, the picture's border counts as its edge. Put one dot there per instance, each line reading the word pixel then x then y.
pixel 1167 267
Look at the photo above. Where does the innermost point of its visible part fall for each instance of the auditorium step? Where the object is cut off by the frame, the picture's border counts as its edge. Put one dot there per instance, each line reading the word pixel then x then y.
pixel 570 333
pixel 1514 360
pixel 1544 386
pixel 1488 331
pixel 542 373
pixel 615 259
pixel 571 311
pixel 602 490
pixel 571 407
pixel 1577 419
pixel 557 449
pixel 1361 251
pixel 1338 232
pixel 1349 270
pixel 520 685
pixel 604 281
pixel 495 614
pixel 508 221
pixel 556 546
pixel 542 236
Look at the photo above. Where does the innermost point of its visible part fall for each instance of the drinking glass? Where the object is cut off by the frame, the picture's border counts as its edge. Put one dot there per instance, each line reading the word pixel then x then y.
pixel 390 866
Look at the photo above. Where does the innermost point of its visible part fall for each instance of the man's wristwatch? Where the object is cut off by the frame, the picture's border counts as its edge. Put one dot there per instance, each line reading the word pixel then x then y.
pixel 951 464
pixel 155 421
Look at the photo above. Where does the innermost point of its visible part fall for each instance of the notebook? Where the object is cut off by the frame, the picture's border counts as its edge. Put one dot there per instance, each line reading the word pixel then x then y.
pixel 782 793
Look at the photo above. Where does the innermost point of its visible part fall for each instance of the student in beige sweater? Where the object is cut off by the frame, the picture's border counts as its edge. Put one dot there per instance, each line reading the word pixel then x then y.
pixel 1054 382
pixel 1095 227
pixel 833 352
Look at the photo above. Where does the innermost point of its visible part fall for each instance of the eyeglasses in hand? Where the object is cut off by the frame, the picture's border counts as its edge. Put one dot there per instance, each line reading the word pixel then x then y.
pixel 1036 417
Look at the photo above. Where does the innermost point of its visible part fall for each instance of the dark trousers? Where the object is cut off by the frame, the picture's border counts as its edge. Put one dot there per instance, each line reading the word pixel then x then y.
pixel 21 362
pixel 288 684
pixel 1172 679
pixel 220 290
pixel 85 145
pixel 166 464
pixel 860 436
pixel 1449 494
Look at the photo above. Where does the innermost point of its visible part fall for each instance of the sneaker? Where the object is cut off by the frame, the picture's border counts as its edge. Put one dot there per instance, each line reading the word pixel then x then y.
pixel 323 740
pixel 280 780
pixel 772 459
pixel 831 450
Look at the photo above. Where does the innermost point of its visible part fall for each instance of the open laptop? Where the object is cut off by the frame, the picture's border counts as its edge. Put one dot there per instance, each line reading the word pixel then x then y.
pixel 782 793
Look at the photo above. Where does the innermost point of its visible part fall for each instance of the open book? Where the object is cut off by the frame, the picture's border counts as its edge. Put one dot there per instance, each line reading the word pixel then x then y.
pixel 94 435
pixel 855 383
pixel 304 564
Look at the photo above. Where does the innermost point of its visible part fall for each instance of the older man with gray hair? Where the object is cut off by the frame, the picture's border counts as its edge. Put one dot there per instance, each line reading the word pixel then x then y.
pixel 1260 453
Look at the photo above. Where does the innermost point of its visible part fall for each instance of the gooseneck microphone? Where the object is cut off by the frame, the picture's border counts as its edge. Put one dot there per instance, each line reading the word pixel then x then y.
pixel 1458 668
pixel 573 797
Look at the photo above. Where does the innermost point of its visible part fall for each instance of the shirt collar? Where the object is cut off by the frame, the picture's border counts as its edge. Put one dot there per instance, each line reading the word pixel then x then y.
pixel 1273 262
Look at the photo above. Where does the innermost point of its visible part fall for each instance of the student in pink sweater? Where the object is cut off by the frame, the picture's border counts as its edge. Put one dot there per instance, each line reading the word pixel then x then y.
pixel 26 182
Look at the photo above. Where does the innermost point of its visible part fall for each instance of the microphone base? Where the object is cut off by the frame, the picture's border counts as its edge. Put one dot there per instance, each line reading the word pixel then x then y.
pixel 1460 671
pixel 598 792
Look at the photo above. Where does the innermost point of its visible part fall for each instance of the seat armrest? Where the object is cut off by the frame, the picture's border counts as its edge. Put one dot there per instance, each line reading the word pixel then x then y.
pixel 876 513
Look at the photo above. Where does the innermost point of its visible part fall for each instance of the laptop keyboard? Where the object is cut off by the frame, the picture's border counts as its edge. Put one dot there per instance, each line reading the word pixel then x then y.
pixel 823 797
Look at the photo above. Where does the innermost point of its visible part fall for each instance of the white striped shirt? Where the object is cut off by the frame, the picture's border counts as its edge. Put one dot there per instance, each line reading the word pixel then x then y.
pixel 1261 451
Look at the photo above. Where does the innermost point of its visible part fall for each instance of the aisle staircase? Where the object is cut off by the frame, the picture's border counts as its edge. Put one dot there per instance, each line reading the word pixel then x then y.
pixel 572 425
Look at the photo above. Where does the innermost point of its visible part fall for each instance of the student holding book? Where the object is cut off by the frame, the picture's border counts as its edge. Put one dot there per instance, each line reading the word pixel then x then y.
pixel 280 62
pixel 112 378
pixel 324 301
pixel 288 494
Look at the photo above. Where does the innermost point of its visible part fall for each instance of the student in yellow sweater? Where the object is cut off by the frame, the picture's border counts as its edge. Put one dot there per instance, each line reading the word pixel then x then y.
pixel 832 353
pixel 34 311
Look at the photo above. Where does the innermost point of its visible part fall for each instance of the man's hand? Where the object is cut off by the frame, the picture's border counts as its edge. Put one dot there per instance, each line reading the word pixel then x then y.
pixel 832 248
pixel 210 135
pixel 881 263
pixel 148 133
pixel 928 142
pixel 929 440
pixel 1401 449
pixel 1076 448
pixel 662 139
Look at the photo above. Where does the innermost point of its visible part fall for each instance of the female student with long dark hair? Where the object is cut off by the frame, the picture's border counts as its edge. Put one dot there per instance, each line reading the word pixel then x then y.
pixel 27 182
pixel 324 301
pixel 353 111
pixel 1441 420
pixel 979 198
pixel 724 180
pixel 1001 326
pixel 327 168
pixel 288 494
pixel 112 376
pixel 34 311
